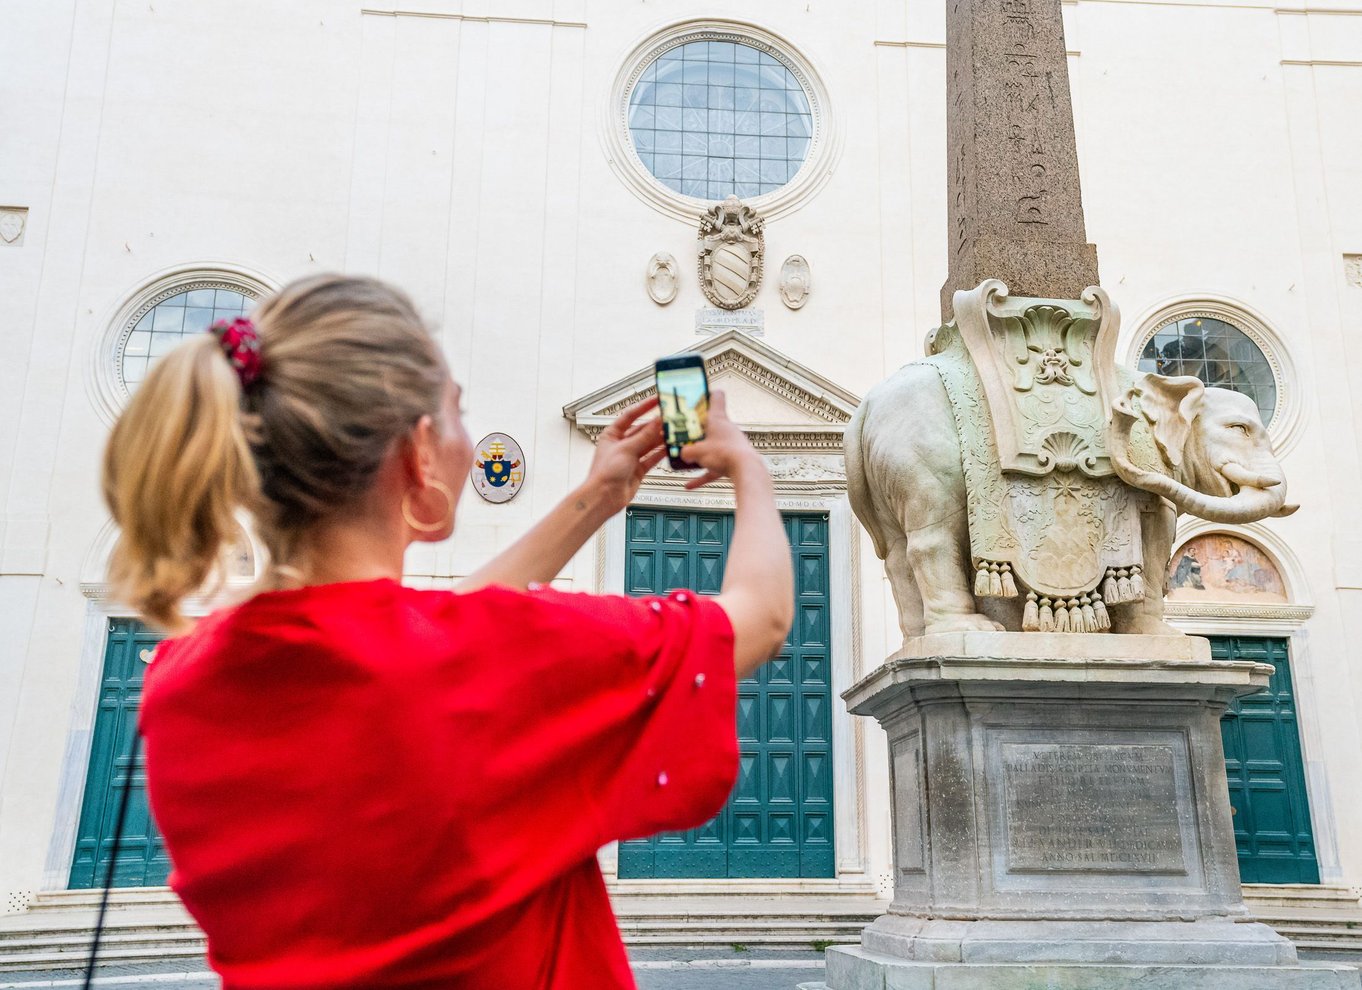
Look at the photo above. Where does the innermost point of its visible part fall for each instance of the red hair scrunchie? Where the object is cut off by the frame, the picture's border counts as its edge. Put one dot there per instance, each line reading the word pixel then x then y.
pixel 241 344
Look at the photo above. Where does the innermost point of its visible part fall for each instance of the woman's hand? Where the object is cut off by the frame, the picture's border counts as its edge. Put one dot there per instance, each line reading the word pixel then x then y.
pixel 626 450
pixel 724 451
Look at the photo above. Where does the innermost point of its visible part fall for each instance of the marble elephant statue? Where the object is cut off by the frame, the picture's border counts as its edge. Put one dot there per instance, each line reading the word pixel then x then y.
pixel 1191 448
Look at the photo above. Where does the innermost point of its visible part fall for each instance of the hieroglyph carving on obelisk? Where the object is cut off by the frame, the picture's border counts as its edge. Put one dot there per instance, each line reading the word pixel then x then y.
pixel 1014 209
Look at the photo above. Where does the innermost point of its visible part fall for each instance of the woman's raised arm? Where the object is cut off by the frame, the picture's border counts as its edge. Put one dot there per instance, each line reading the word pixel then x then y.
pixel 758 588
pixel 625 451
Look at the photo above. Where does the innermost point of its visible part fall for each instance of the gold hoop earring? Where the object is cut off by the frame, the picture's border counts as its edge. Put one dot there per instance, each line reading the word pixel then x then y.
pixel 445 520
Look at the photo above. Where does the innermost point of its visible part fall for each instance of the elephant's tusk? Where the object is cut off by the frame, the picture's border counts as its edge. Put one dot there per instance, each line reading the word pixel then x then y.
pixel 1285 510
pixel 1245 478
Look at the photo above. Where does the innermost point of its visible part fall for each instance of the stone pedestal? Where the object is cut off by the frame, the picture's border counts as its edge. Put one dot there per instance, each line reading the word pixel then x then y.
pixel 1061 819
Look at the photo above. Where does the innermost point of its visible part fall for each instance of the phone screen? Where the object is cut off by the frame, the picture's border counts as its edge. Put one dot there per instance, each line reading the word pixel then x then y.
pixel 683 399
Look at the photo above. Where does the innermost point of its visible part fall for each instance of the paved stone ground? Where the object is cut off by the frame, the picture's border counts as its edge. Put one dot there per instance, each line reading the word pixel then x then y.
pixel 699 968
pixel 716 968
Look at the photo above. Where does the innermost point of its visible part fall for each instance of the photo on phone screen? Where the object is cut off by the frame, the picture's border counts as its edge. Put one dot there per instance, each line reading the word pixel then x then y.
pixel 683 399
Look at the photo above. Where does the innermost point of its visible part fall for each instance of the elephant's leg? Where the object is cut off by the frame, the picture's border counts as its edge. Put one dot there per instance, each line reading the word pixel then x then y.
pixel 1157 527
pixel 940 559
pixel 904 586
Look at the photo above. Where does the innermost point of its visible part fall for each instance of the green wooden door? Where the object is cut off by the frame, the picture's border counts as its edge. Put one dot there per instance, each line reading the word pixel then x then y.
pixel 142 859
pixel 1266 774
pixel 778 820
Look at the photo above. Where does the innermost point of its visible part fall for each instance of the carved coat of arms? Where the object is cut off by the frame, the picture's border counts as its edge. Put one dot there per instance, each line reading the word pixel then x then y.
pixel 498 470
pixel 731 249
pixel 11 226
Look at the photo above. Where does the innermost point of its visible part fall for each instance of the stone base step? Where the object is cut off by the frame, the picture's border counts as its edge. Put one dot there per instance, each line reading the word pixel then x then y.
pixel 25 962
pixel 121 899
pixel 851 968
pixel 150 925
pixel 1321 917
pixel 1261 897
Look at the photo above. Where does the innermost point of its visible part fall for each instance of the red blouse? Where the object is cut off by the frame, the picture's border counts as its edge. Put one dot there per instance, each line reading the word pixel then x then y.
pixel 366 785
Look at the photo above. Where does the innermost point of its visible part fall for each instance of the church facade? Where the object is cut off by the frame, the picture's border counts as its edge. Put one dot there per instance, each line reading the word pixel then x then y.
pixel 571 189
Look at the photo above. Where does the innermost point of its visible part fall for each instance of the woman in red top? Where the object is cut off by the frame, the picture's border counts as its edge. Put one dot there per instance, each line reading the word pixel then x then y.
pixel 366 785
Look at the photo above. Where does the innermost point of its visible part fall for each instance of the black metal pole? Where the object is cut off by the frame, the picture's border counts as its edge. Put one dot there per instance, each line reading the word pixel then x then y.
pixel 119 822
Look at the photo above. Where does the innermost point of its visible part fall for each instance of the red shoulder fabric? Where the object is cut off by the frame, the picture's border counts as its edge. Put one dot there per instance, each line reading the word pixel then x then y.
pixel 367 785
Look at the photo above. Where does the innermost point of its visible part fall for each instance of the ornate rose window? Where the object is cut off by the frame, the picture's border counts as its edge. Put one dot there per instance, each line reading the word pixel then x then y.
pixel 712 119
pixel 706 109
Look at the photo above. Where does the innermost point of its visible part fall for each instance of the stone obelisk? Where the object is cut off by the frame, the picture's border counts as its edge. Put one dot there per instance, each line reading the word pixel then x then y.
pixel 1060 811
pixel 1015 211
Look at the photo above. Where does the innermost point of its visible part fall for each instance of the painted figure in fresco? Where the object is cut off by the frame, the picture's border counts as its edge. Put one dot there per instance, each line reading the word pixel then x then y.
pixel 1245 575
pixel 1188 572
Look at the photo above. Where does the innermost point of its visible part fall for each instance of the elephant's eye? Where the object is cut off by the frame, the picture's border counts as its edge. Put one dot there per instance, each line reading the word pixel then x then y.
pixel 1243 428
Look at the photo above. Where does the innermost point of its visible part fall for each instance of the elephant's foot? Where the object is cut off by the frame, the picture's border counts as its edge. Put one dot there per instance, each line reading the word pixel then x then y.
pixel 1143 625
pixel 968 622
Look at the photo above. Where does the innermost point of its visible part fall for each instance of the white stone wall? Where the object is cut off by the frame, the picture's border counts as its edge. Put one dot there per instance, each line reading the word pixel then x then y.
pixel 461 155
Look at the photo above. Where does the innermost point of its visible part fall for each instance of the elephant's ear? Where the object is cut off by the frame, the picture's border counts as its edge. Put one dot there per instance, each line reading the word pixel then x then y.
pixel 1170 405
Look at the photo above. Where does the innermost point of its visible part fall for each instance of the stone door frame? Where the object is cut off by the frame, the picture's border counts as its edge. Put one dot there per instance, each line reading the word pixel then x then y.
pixel 1280 621
pixel 851 846
pixel 803 449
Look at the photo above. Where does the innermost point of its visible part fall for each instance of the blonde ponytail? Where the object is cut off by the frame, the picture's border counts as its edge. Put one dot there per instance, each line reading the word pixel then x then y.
pixel 176 469
pixel 346 369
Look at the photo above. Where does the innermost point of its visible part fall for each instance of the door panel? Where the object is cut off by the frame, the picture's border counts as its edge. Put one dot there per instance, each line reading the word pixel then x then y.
pixel 778 820
pixel 1266 774
pixel 142 859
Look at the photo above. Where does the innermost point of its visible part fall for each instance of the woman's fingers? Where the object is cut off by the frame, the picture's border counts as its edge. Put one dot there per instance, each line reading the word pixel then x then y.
pixel 624 420
pixel 718 403
pixel 652 459
pixel 704 479
pixel 643 436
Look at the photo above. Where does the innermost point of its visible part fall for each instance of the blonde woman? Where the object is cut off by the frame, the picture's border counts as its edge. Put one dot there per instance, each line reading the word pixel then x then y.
pixel 366 785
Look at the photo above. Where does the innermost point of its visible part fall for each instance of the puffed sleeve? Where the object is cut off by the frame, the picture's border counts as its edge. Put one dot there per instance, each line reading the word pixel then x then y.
pixel 683 758
pixel 603 718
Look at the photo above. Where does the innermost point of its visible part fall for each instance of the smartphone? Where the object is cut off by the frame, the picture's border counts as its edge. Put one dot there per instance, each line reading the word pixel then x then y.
pixel 683 399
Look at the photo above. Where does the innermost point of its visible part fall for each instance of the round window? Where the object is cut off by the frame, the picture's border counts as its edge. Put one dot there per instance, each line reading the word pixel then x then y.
pixel 1218 353
pixel 712 119
pixel 165 324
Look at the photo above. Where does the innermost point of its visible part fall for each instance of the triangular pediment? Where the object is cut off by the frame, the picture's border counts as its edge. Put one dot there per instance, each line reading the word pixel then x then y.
pixel 780 404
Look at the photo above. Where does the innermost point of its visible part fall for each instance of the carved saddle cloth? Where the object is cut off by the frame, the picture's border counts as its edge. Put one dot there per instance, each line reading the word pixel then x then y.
pixel 1048 517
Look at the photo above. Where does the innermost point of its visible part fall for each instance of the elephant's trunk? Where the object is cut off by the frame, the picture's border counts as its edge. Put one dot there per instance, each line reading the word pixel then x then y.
pixel 1249 504
pixel 1245 505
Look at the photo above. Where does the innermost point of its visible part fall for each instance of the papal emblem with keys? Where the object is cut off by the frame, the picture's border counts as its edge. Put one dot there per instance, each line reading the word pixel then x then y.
pixel 499 468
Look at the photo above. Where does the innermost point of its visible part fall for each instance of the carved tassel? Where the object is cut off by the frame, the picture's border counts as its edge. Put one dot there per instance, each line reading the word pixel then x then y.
pixel 1061 617
pixel 1123 594
pixel 981 581
pixel 1031 614
pixel 1137 583
pixel 1099 611
pixel 1009 586
pixel 1109 586
pixel 995 583
pixel 1047 617
pixel 1089 616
